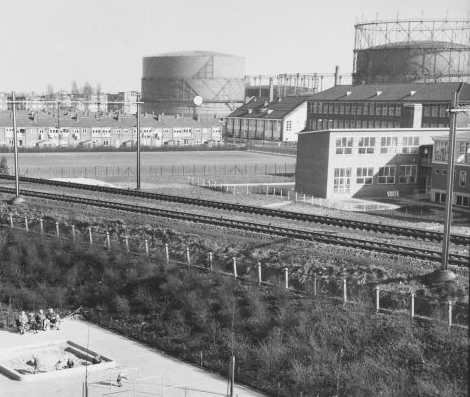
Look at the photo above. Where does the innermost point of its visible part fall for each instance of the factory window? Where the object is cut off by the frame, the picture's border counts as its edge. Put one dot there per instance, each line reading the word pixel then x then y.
pixel 366 109
pixel 434 110
pixel 336 108
pixel 289 125
pixel 463 178
pixel 330 107
pixel 366 145
pixel 342 181
pixel 341 123
pixel 463 201
pixel 444 172
pixel 344 145
pixel 437 171
pixel 360 108
pixel 442 111
pixel 320 107
pixel 378 109
pixel 353 108
pixel 398 110
pixel 387 175
pixel 341 108
pixel 407 174
pixel 364 175
pixel 464 152
pixel 391 110
pixel 347 108
pixel 383 124
pixel 427 110
pixel 105 143
pixel 347 123
pixel 410 144
pixel 384 109
pixel 439 197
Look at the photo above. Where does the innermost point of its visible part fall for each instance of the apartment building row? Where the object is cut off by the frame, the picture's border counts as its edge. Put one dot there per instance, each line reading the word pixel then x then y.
pixel 37 129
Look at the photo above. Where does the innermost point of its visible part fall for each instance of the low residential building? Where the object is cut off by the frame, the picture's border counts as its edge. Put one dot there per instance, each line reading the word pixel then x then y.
pixel 260 120
pixel 37 129
pixel 440 160
pixel 343 163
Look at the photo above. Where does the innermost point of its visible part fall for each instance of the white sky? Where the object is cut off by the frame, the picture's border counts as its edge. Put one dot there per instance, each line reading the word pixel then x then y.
pixel 57 41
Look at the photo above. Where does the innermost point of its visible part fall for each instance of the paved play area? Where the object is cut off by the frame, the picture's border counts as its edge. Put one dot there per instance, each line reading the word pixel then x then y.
pixel 146 371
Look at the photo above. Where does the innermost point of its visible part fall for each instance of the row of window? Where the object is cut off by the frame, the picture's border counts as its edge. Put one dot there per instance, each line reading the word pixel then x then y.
pixel 460 200
pixel 435 110
pixel 462 176
pixel 325 124
pixel 356 108
pixel 365 176
pixel 441 151
pixel 366 145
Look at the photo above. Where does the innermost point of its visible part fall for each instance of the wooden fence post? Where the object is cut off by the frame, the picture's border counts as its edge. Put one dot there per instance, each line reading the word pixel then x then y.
pixel 41 225
pixel 147 248
pixel 73 233
pixel 412 305
pixel 345 292
pixel 11 221
pixel 108 241
pixel 167 253
pixel 260 280
pixel 210 261
pixel 57 229
pixel 314 285
pixel 234 261
pixel 286 278
pixel 449 312
pixel 377 298
pixel 26 223
pixel 188 257
pixel 127 243
pixel 90 236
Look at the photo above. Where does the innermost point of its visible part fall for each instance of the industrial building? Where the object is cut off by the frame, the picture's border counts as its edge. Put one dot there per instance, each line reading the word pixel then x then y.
pixel 193 83
pixel 36 129
pixel 408 105
pixel 415 50
pixel 440 158
pixel 259 119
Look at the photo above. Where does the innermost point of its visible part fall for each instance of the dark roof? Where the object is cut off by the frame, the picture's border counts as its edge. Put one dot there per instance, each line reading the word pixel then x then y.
pixel 424 92
pixel 465 136
pixel 24 120
pixel 262 109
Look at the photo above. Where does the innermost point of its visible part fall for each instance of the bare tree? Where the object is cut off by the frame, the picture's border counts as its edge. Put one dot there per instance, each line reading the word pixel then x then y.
pixel 74 90
pixel 87 89
pixel 4 169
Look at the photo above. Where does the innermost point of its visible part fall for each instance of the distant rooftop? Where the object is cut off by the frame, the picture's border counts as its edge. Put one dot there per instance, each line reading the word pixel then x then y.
pixel 193 53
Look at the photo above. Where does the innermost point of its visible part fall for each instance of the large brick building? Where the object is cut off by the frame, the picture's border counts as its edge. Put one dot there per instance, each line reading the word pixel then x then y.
pixel 37 129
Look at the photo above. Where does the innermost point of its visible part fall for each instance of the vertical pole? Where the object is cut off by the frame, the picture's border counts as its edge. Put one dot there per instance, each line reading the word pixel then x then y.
pixel 146 248
pixel 73 233
pixel 377 298
pixel 57 230
pixel 188 257
pixel 167 253
pixel 210 261
pixel 314 285
pixel 41 225
pixel 449 318
pixel 345 292
pixel 232 375
pixel 127 244
pixel 138 141
pixel 260 280
pixel 286 278
pixel 108 241
pixel 15 146
pixel 412 305
pixel 26 223
pixel 234 260
pixel 90 236
pixel 450 180
pixel 295 196
pixel 11 221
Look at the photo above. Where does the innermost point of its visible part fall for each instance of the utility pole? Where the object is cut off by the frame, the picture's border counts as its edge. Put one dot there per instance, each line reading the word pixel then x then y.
pixel 138 141
pixel 15 145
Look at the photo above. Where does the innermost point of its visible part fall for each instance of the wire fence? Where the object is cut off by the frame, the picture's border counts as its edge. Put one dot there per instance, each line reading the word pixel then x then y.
pixel 297 282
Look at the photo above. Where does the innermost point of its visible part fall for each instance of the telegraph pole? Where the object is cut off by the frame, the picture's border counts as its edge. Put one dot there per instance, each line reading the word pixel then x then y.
pixel 138 141
pixel 15 146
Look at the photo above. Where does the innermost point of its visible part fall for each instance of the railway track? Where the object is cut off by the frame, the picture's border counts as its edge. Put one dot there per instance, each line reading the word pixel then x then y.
pixel 320 237
pixel 345 223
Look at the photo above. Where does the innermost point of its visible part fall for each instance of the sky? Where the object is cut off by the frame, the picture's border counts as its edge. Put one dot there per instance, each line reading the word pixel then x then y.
pixel 103 41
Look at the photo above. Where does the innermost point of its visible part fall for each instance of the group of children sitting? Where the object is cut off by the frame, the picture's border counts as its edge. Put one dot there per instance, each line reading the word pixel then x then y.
pixel 39 321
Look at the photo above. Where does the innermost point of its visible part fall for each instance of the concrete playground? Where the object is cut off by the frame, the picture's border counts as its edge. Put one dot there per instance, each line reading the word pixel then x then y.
pixel 148 371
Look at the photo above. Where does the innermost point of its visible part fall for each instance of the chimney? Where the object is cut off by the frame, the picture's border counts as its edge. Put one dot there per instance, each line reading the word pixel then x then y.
pixel 271 90
pixel 336 75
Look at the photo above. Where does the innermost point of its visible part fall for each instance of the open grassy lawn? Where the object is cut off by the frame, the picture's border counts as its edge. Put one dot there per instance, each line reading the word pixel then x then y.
pixel 127 159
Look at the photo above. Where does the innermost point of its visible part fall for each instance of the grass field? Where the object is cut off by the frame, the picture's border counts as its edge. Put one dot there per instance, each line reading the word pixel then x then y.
pixel 154 159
